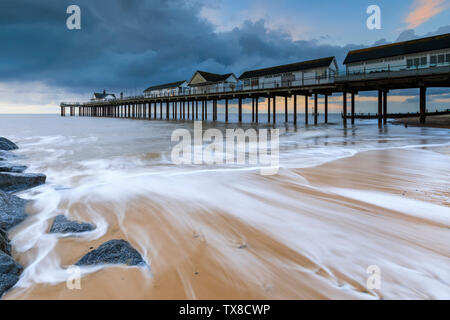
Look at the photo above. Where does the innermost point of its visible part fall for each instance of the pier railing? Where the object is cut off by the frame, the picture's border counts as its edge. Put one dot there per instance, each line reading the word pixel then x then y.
pixel 340 77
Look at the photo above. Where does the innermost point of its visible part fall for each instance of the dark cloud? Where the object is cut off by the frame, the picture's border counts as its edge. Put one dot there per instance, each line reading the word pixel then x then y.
pixel 135 43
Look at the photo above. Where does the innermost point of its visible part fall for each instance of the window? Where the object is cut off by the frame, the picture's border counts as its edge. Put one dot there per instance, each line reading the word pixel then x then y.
pixel 441 58
pixel 423 61
pixel 447 58
pixel 246 83
pixel 409 63
pixel 433 60
pixel 416 62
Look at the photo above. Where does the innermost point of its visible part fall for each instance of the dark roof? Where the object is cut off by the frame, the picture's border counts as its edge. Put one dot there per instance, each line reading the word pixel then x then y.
pixel 165 86
pixel 304 65
pixel 399 48
pixel 103 95
pixel 212 77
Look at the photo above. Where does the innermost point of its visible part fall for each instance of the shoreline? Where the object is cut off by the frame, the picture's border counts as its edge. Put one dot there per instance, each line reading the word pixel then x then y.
pixel 440 121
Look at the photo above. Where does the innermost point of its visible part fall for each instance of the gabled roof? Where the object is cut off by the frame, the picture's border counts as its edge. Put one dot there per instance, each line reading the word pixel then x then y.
pixel 165 86
pixel 103 95
pixel 304 65
pixel 399 48
pixel 212 77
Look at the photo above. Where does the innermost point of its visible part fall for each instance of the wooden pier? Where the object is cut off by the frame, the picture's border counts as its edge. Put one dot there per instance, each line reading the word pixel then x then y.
pixel 186 107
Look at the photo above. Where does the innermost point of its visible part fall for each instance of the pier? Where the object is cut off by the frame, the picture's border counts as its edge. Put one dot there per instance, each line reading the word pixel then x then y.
pixel 417 64
pixel 186 107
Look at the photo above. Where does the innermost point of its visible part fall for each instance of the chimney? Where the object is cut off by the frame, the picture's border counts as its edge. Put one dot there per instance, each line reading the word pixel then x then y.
pixel 104 91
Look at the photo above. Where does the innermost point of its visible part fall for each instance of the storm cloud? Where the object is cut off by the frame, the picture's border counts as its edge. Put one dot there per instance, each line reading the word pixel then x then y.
pixel 134 43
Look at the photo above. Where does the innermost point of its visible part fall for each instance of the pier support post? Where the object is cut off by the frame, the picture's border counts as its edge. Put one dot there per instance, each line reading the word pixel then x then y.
pixel 353 107
pixel 240 109
pixel 192 103
pixel 380 108
pixel 385 107
pixel 295 109
pixel 306 109
pixel 286 109
pixel 196 109
pixel 326 108
pixel 344 108
pixel 188 108
pixel 206 109
pixel 274 109
pixel 160 110
pixel 316 107
pixel 423 104
pixel 203 109
pixel 257 109
pixel 268 109
pixel 253 109
pixel 226 110
pixel 167 110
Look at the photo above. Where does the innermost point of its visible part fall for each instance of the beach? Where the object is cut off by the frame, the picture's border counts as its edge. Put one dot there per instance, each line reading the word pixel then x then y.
pixel 343 200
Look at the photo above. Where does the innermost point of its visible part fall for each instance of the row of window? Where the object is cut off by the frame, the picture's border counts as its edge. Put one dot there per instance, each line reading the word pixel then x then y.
pixel 434 60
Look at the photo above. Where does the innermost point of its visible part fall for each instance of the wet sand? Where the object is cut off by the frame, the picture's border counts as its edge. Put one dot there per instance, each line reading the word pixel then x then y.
pixel 441 121
pixel 307 234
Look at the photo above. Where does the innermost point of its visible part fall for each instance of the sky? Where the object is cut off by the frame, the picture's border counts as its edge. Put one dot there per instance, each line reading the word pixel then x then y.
pixel 128 45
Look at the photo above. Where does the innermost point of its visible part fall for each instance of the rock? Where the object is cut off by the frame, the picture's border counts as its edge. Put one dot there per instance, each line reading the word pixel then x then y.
pixel 13 182
pixel 5 144
pixel 12 210
pixel 9 272
pixel 9 167
pixel 113 252
pixel 62 225
pixel 5 247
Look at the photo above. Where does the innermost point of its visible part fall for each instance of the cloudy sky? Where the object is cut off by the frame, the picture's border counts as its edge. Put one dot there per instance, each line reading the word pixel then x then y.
pixel 128 45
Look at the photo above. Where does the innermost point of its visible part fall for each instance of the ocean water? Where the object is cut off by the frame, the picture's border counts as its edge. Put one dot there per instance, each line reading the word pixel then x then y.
pixel 343 199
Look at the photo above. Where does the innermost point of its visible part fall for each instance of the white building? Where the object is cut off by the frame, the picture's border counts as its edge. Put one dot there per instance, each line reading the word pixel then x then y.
pixel 103 96
pixel 206 82
pixel 168 89
pixel 296 74
pixel 414 54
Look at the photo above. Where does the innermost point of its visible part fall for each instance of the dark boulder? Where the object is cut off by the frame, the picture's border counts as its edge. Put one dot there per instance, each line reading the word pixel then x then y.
pixel 14 182
pixel 63 225
pixel 5 144
pixel 9 167
pixel 9 272
pixel 12 210
pixel 113 252
pixel 5 247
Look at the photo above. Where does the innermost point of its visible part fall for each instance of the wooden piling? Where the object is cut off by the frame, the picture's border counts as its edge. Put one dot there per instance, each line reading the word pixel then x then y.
pixel 286 109
pixel 306 110
pixel 380 108
pixel 295 109
pixel 316 108
pixel 423 104
pixel 353 107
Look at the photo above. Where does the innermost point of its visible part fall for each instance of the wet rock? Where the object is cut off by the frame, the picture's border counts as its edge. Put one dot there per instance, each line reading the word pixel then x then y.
pixel 9 272
pixel 13 182
pixel 12 210
pixel 6 144
pixel 113 252
pixel 9 167
pixel 5 247
pixel 63 225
